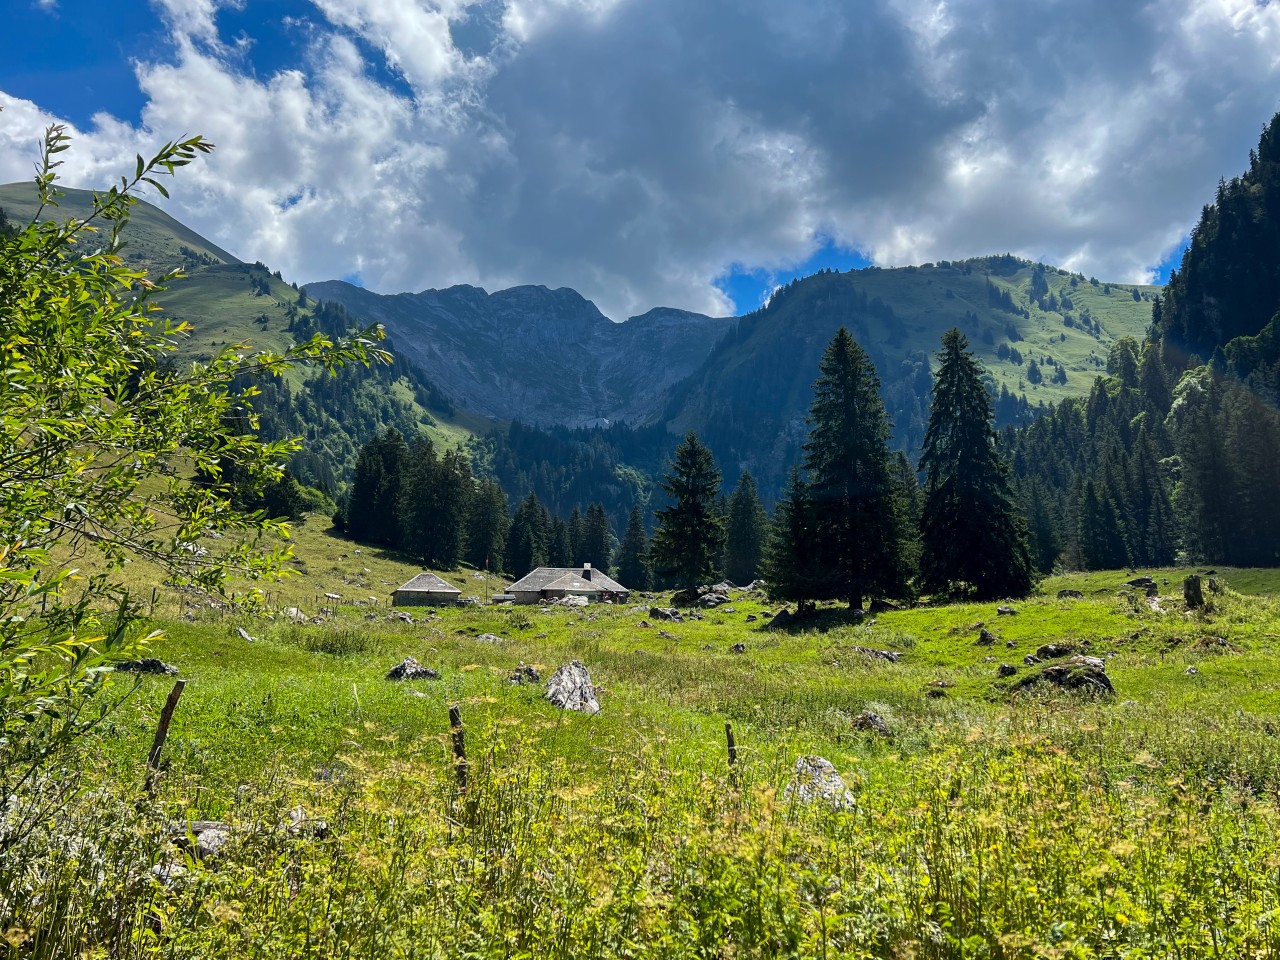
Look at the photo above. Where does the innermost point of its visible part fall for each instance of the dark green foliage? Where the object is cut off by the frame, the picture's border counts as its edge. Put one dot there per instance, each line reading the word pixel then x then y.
pixel 559 553
pixel 850 482
pixel 487 526
pixel 595 547
pixel 529 540
pixel 746 533
pixel 790 563
pixel 434 502
pixel 971 531
pixel 373 503
pixel 1102 542
pixel 633 555
pixel 690 531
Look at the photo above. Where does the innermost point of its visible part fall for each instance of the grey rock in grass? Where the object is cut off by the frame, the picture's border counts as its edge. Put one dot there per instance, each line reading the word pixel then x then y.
pixel 1030 659
pixel 871 722
pixel 148 665
pixel 1192 671
pixel 817 781
pixel 523 673
pixel 1070 595
pixel 244 634
pixel 1006 670
pixel 751 618
pixel 570 688
pixel 985 638
pixel 666 613
pixel 1081 673
pixel 783 617
pixel 411 669
pixel 1051 651
pixel 203 839
pixel 490 638
pixel 712 599
pixel 891 656
pixel 738 648
pixel 1006 611
pixel 1143 582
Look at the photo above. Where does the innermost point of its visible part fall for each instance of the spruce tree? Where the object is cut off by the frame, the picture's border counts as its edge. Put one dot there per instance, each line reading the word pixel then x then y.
pixel 373 505
pixel 633 554
pixel 528 539
pixel 851 481
pixel 971 532
pixel 747 533
pixel 558 554
pixel 789 564
pixel 595 539
pixel 487 526
pixel 690 531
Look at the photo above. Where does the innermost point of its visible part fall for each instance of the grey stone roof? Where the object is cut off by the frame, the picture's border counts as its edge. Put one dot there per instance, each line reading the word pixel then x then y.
pixel 425 582
pixel 573 582
pixel 542 578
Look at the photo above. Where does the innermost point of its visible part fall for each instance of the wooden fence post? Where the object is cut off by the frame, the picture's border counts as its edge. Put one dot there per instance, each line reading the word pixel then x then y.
pixel 162 734
pixel 459 746
pixel 733 753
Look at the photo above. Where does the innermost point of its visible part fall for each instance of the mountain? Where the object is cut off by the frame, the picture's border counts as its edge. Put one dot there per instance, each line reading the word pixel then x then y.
pixel 545 357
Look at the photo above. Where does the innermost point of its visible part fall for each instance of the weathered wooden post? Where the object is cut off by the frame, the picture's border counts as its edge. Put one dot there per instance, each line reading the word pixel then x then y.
pixel 733 753
pixel 162 734
pixel 1192 592
pixel 459 746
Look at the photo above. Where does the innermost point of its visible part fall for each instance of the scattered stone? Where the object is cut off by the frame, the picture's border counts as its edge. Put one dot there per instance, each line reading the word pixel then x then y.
pixel 490 638
pixel 986 638
pixel 666 636
pixel 244 634
pixel 523 673
pixel 1070 595
pixel 694 615
pixel 1006 611
pixel 729 610
pixel 298 824
pixel 333 596
pixel 712 600
pixel 756 585
pixel 1215 645
pixel 401 616
pixel 871 722
pixel 1030 659
pixel 1214 585
pixel 1010 644
pixel 935 693
pixel 294 614
pixel 751 618
pixel 707 646
pixel 724 586
pixel 781 620
pixel 411 669
pixel 738 648
pixel 1087 674
pixel 1192 671
pixel 1051 651
pixel 570 689
pixel 766 613
pixel 1006 670
pixel 1192 592
pixel 666 613
pixel 645 625
pixel 148 665
pixel 1144 582
pixel 893 656
pixel 203 839
pixel 816 780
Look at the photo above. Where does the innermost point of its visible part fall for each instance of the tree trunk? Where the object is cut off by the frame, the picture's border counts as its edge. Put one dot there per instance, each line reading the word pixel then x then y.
pixel 1191 591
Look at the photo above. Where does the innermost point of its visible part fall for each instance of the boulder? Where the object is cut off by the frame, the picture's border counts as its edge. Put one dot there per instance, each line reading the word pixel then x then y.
pixel 893 656
pixel 571 602
pixel 985 638
pixel 294 614
pixel 751 618
pixel 1006 670
pixel 738 648
pixel 871 722
pixel 244 635
pixel 1143 582
pixel 148 665
pixel 1070 595
pixel 816 780
pixel 723 587
pixel 1085 674
pixel 1192 671
pixel 712 599
pixel 1030 659
pixel 881 605
pixel 783 618
pixel 1006 611
pixel 411 669
pixel 490 638
pixel 570 688
pixel 1051 651
pixel 666 613
pixel 203 839
pixel 1192 592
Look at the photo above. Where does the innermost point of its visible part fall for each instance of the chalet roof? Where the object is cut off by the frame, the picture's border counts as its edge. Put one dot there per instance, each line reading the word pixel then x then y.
pixel 543 577
pixel 572 582
pixel 429 582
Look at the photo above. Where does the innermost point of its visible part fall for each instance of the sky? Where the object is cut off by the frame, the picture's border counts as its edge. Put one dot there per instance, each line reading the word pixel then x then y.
pixel 681 153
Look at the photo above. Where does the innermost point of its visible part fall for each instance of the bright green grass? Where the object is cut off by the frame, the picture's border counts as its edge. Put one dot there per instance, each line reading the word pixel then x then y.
pixel 988 824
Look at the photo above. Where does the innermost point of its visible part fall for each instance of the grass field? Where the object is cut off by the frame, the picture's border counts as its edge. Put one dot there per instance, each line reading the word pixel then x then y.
pixel 989 822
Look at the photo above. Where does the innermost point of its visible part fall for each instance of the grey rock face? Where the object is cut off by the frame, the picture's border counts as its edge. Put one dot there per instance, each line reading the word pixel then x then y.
pixel 570 688
pixel 816 780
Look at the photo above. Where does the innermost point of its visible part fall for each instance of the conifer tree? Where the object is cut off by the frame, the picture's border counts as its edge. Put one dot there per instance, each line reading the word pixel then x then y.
pixel 558 554
pixel 487 526
pixel 434 501
pixel 527 541
pixel 690 531
pixel 746 534
pixel 789 564
pixel 373 505
pixel 633 554
pixel 971 531
pixel 850 479
pixel 595 539
pixel 575 535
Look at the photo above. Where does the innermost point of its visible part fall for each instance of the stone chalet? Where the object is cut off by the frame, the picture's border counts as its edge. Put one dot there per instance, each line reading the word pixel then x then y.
pixel 426 590
pixel 555 583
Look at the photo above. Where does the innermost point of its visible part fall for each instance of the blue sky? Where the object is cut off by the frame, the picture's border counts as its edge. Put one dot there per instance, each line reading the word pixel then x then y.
pixel 656 152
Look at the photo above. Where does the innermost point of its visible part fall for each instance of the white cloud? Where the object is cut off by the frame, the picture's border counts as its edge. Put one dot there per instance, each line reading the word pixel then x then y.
pixel 634 149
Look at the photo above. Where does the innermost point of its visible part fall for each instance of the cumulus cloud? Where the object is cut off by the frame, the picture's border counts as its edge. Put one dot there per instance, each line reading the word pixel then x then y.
pixel 635 149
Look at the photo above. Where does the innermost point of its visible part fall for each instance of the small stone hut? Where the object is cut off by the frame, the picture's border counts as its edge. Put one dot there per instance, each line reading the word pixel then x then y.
pixel 555 583
pixel 426 590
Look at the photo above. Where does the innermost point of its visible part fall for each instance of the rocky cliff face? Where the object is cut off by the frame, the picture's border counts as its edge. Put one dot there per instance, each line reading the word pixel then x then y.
pixel 542 356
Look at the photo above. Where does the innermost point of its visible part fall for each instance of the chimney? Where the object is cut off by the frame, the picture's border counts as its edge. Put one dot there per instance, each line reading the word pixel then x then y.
pixel 586 572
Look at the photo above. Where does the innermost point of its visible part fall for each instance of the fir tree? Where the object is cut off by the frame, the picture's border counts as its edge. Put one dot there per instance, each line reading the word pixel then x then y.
pixel 487 526
pixel 595 539
pixel 373 505
pixel 859 551
pixel 789 561
pixel 528 540
pixel 558 554
pixel 971 531
pixel 633 554
pixel 690 533
pixel 746 534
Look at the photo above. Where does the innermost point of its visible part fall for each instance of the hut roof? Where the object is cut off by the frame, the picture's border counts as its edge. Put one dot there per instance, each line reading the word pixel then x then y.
pixel 429 583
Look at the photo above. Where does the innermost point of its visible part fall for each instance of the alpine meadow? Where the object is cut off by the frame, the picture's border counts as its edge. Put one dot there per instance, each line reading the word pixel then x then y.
pixel 915 610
